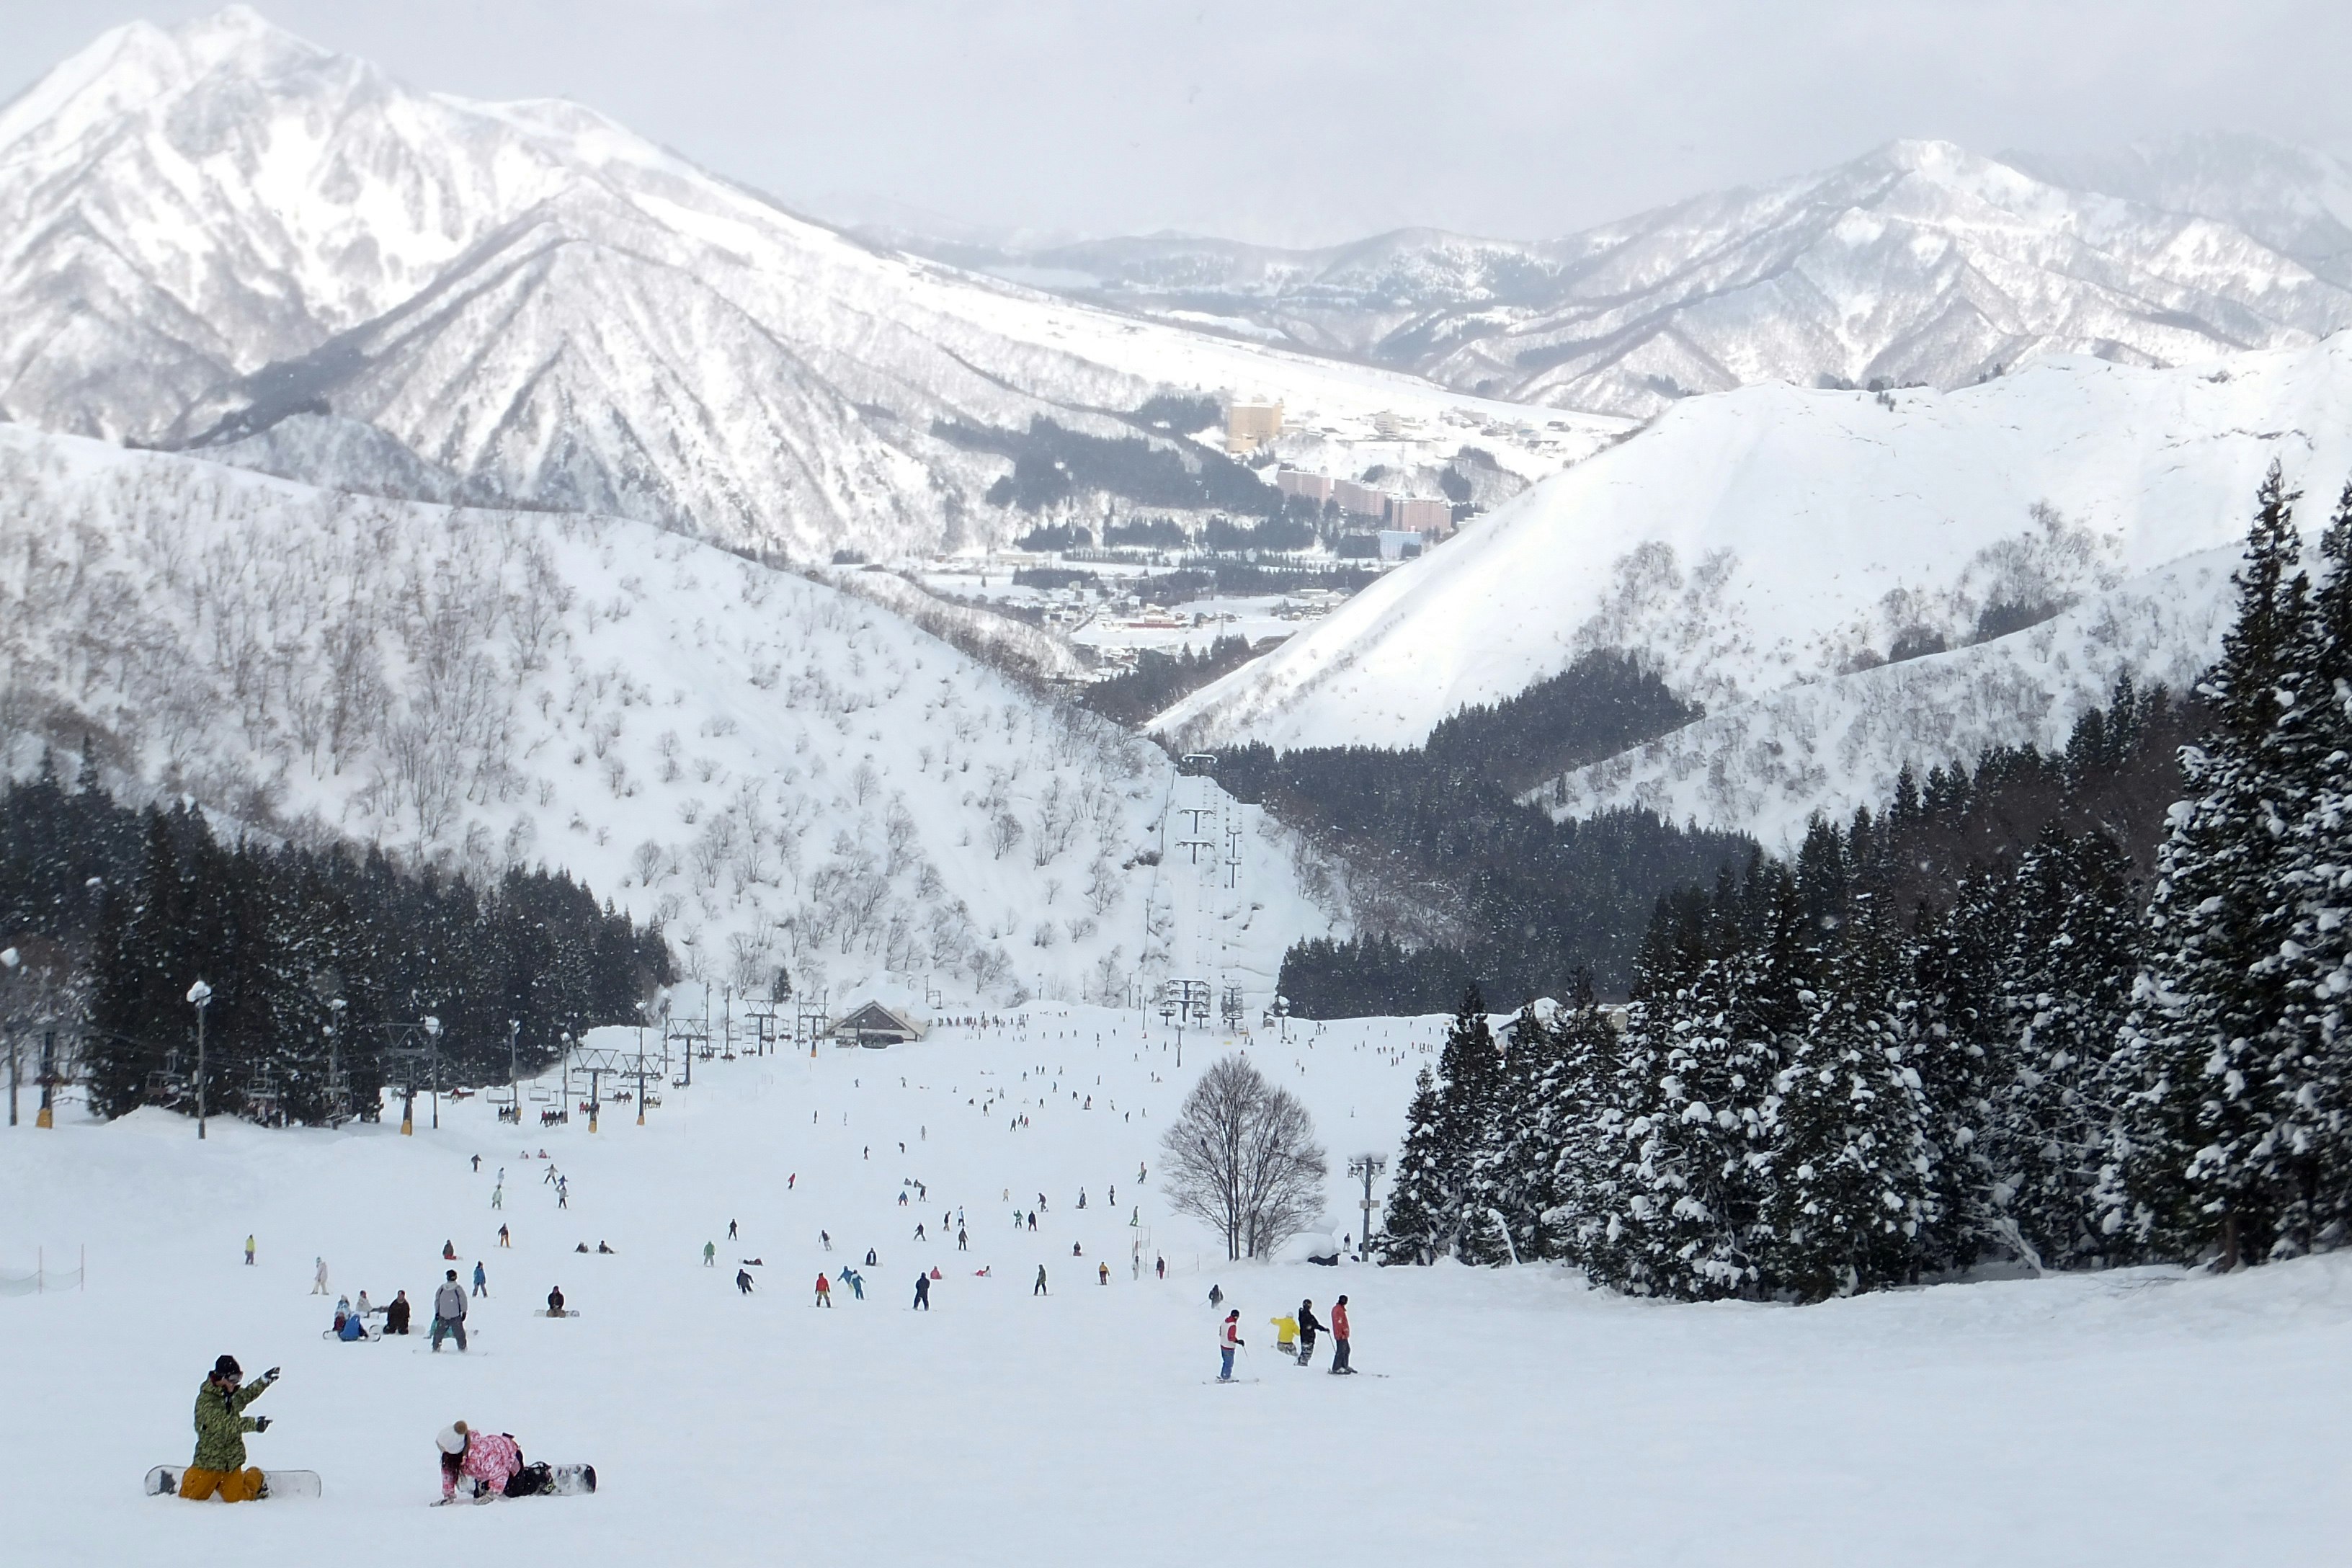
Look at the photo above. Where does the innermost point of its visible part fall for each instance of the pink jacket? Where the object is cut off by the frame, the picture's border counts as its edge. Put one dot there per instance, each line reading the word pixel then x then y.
pixel 491 1457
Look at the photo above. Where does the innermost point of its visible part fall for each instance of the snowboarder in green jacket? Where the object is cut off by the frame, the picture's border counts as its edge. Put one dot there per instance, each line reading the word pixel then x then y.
pixel 221 1425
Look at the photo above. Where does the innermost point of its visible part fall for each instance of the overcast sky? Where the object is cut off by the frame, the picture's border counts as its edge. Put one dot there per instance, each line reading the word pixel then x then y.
pixel 1304 123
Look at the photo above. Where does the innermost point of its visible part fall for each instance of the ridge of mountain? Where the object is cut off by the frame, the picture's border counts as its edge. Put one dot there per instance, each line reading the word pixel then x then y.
pixel 1781 538
pixel 1918 262
pixel 209 229
pixel 780 772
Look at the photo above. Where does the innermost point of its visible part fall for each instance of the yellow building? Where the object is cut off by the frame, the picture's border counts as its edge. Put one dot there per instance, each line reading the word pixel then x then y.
pixel 1249 426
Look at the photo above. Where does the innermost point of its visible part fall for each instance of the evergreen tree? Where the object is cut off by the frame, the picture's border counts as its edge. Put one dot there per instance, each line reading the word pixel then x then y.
pixel 1695 1077
pixel 1513 1188
pixel 2308 1078
pixel 1429 1202
pixel 2069 949
pixel 1853 1170
pixel 2195 1153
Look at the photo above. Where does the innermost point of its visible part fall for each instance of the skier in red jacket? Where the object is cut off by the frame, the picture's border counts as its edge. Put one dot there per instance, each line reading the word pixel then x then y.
pixel 1340 1338
pixel 1229 1340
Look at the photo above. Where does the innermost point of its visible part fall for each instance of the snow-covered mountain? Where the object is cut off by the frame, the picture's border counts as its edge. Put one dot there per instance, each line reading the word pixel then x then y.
pixel 780 772
pixel 1920 262
pixel 223 237
pixel 1764 767
pixel 1780 538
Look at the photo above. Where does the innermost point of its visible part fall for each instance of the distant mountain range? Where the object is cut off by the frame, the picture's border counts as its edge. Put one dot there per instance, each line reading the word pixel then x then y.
pixel 1918 263
pixel 222 237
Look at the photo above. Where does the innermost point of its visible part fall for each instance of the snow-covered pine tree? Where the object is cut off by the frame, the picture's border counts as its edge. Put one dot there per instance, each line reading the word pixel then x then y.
pixel 2193 1154
pixel 1415 1212
pixel 1446 1128
pixel 1586 1132
pixel 2308 1078
pixel 1694 1083
pixel 1853 1170
pixel 1511 1176
pixel 2070 947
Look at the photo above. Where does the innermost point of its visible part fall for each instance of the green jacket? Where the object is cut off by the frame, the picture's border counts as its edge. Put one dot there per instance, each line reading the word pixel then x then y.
pixel 222 1424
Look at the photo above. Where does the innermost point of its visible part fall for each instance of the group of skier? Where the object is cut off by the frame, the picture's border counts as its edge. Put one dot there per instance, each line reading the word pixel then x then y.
pixel 1294 1335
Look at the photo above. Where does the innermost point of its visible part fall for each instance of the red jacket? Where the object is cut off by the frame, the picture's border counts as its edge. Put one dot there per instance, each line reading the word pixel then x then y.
pixel 1229 1335
pixel 1339 1323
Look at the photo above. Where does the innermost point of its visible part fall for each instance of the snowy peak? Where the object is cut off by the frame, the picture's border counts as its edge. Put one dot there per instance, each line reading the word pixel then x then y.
pixel 1779 538
pixel 209 230
pixel 1918 262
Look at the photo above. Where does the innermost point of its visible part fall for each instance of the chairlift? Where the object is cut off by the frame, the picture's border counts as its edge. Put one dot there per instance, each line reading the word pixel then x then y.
pixel 541 1094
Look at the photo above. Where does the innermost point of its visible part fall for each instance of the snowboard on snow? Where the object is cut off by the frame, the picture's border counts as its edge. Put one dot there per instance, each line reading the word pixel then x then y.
pixel 562 1480
pixel 543 1313
pixel 164 1480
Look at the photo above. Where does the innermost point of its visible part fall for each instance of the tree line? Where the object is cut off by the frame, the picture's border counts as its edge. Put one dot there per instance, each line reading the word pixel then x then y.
pixel 1829 1079
pixel 309 954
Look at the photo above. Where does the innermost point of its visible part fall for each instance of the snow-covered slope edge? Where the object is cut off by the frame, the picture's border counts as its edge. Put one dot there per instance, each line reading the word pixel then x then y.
pixel 780 773
pixel 1764 767
pixel 1775 535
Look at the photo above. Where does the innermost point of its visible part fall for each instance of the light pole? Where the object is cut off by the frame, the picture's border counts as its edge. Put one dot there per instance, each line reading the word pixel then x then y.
pixel 200 997
pixel 433 1044
pixel 10 961
pixel 1369 1167
pixel 335 1061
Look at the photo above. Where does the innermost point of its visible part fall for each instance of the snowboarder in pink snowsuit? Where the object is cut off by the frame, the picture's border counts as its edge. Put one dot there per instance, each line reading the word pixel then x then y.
pixel 488 1460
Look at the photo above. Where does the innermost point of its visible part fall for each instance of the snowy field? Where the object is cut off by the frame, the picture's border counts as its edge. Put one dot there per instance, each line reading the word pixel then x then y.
pixel 2142 1417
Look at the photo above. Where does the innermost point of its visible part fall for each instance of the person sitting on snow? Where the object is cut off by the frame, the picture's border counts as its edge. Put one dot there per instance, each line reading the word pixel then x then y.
pixel 555 1302
pixel 395 1316
pixel 343 1312
pixel 221 1425
pixel 486 1459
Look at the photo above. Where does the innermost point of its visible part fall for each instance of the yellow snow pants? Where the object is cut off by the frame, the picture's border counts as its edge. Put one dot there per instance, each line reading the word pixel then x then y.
pixel 234 1486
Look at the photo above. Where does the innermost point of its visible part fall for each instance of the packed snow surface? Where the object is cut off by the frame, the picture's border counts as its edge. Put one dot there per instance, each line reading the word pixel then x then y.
pixel 2141 1417
pixel 1772 537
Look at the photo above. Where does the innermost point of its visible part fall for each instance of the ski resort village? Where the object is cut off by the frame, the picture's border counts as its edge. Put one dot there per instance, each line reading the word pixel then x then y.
pixel 1675 891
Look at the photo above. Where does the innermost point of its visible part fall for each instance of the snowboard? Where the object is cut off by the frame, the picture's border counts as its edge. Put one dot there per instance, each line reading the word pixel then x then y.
pixel 562 1480
pixel 164 1480
pixel 543 1313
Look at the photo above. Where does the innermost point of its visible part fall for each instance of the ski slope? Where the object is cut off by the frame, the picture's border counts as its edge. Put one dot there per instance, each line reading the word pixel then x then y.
pixel 2141 1417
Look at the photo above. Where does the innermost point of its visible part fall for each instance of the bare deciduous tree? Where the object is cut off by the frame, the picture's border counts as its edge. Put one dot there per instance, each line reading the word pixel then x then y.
pixel 1242 1157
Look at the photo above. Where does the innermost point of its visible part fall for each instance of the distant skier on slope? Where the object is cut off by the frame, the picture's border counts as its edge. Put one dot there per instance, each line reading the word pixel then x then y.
pixel 1308 1327
pixel 1039 1288
pixel 450 1313
pixel 922 1293
pixel 481 1280
pixel 1229 1340
pixel 1217 1297
pixel 318 1285
pixel 743 1281
pixel 710 1254
pixel 823 1290
pixel 1339 1366
pixel 221 1425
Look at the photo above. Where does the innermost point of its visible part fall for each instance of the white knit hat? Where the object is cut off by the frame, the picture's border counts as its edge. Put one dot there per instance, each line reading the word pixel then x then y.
pixel 452 1439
